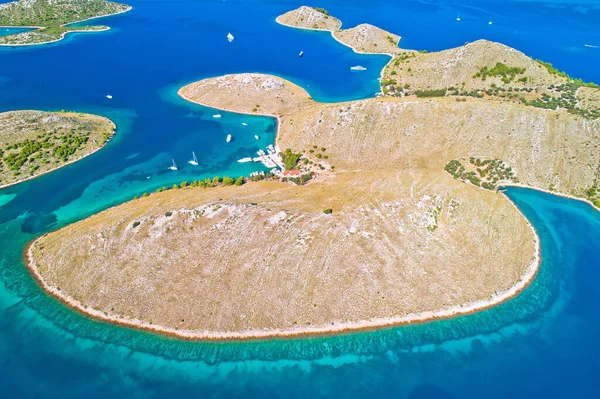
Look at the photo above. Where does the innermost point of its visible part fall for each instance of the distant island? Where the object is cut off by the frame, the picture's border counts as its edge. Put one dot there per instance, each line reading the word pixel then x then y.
pixel 50 18
pixel 35 142
pixel 388 210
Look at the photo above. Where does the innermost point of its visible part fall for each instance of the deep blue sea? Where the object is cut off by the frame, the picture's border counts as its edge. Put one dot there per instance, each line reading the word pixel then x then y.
pixel 542 344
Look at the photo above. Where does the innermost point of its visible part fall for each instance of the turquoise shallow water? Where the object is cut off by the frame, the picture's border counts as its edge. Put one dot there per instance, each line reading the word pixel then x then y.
pixel 541 344
pixel 10 31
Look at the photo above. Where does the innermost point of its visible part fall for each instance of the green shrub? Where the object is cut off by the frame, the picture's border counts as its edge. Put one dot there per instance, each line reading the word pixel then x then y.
pixel 328 211
pixel 290 159
pixel 431 93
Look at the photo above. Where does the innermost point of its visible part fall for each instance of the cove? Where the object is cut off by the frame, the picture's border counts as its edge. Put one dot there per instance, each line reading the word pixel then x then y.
pixel 541 344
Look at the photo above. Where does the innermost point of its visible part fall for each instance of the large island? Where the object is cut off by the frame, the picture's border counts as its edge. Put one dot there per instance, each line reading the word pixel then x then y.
pixel 36 142
pixel 50 19
pixel 402 221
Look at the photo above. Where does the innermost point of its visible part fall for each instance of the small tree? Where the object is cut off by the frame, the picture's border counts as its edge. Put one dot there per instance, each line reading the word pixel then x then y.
pixel 239 181
pixel 228 181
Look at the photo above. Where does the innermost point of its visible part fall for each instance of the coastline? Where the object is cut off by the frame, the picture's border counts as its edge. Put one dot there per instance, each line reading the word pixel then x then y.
pixel 66 163
pixel 64 34
pixel 324 330
pixel 332 32
pixel 180 94
pixel 337 328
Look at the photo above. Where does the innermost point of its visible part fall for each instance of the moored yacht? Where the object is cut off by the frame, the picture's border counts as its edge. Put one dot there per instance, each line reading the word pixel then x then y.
pixel 194 160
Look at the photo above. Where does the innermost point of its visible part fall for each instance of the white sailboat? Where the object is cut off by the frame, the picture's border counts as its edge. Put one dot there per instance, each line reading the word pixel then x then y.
pixel 256 136
pixel 174 166
pixel 489 23
pixel 228 138
pixel 244 124
pixel 230 37
pixel 194 160
pixel 301 54
pixel 109 96
pixel 458 18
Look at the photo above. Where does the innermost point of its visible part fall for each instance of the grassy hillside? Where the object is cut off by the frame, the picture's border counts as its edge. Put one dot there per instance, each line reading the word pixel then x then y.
pixel 51 16
pixel 34 142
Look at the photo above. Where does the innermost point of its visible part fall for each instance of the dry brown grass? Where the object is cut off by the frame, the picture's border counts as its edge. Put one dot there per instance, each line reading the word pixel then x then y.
pixel 364 38
pixel 264 257
pixel 453 67
pixel 308 18
pixel 404 237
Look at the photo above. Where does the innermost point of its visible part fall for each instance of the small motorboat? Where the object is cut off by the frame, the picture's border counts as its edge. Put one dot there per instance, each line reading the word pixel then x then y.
pixel 358 68
pixel 228 138
pixel 217 115
pixel 301 54
pixel 109 96
pixel 230 37
pixel 256 136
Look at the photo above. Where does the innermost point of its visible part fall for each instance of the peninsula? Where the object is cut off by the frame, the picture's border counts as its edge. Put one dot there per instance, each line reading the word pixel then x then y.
pixel 401 222
pixel 35 142
pixel 50 19
pixel 364 38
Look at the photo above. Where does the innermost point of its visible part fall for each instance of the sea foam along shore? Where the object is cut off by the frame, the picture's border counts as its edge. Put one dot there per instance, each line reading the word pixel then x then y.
pixel 332 32
pixel 87 154
pixel 62 35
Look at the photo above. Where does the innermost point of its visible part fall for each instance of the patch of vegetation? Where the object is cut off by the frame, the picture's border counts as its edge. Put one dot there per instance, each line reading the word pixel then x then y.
pixel 431 93
pixel 507 73
pixel 52 16
pixel 563 96
pixel 34 141
pixel 484 173
pixel 302 179
pixel 328 211
pixel 290 159
pixel 322 10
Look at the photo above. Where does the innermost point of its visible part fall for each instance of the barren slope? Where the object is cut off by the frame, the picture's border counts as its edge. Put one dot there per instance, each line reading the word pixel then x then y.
pixel 263 259
pixel 364 38
pixel 405 240
pixel 308 18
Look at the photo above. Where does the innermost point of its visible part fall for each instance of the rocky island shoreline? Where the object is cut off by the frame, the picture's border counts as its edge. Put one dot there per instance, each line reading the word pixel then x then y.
pixel 405 223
